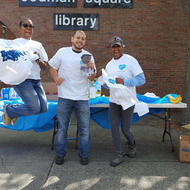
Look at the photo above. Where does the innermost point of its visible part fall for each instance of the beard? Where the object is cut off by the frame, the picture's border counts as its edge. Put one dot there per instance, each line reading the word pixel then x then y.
pixel 78 47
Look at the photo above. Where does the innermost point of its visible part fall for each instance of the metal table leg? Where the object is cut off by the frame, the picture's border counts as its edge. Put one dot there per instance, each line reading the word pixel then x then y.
pixel 55 127
pixel 167 127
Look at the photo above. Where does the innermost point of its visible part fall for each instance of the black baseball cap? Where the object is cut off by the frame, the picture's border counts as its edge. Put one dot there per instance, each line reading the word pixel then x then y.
pixel 116 40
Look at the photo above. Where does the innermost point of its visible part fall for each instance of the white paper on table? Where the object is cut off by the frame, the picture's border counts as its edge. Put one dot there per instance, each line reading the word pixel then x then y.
pixel 141 109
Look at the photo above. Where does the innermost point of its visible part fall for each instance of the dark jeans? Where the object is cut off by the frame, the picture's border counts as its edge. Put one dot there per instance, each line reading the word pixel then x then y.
pixel 82 112
pixel 33 96
pixel 118 115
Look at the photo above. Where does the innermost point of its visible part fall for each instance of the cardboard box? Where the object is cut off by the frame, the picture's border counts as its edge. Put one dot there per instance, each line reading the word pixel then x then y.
pixel 184 149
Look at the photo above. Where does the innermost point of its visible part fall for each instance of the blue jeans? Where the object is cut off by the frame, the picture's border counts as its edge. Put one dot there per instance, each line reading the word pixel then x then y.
pixel 33 96
pixel 82 113
pixel 117 115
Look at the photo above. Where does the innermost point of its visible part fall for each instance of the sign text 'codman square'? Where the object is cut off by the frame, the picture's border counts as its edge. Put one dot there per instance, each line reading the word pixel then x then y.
pixel 67 21
pixel 48 3
pixel 108 3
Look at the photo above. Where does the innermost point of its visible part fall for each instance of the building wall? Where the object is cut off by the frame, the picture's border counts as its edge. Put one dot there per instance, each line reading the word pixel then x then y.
pixel 155 33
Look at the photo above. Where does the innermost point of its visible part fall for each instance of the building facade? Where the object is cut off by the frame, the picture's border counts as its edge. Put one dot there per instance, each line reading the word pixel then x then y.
pixel 155 33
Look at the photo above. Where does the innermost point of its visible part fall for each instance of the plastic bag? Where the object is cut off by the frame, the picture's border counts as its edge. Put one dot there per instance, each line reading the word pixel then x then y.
pixel 15 62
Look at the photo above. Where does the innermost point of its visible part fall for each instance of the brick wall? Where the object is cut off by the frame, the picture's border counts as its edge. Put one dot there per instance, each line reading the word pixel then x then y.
pixel 155 32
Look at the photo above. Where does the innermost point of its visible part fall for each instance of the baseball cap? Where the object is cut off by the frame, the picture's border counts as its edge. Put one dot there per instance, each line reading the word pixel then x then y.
pixel 116 40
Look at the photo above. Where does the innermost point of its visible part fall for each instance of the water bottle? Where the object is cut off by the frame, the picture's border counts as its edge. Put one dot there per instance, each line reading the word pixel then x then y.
pixel 5 93
pixel 9 94
pixel 92 92
pixel 13 94
pixel 1 105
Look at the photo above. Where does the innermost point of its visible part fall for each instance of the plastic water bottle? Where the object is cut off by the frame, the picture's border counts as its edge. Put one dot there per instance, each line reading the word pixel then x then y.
pixel 13 94
pixel 92 92
pixel 5 93
pixel 1 105
pixel 9 94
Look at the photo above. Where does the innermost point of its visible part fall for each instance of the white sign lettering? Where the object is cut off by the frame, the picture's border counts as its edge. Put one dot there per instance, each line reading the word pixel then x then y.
pixel 75 21
pixel 108 3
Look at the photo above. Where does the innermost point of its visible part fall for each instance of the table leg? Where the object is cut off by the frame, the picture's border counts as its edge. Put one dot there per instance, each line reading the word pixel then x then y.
pixel 167 127
pixel 55 127
pixel 54 132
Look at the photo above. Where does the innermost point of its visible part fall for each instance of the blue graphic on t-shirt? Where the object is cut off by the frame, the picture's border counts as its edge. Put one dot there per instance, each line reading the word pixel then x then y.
pixel 112 81
pixel 121 67
pixel 11 55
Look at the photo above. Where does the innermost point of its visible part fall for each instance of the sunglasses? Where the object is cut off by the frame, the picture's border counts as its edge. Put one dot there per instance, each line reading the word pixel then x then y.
pixel 27 26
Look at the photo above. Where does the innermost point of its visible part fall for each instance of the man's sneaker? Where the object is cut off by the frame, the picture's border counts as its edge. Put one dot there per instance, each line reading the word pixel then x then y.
pixel 5 118
pixel 59 160
pixel 84 161
pixel 131 151
pixel 14 120
pixel 118 160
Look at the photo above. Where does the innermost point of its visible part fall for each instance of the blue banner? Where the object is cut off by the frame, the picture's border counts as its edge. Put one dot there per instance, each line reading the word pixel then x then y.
pixel 47 3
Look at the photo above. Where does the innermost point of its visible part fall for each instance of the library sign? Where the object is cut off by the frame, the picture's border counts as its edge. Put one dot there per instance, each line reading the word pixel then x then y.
pixel 66 21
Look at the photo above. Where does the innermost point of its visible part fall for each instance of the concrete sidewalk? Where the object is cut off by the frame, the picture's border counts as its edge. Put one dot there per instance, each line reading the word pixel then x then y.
pixel 27 161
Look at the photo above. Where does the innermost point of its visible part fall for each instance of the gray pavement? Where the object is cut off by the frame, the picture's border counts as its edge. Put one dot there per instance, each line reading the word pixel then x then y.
pixel 27 161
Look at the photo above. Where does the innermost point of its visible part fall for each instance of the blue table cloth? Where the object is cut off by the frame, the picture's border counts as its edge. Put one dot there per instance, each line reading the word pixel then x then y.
pixel 44 122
